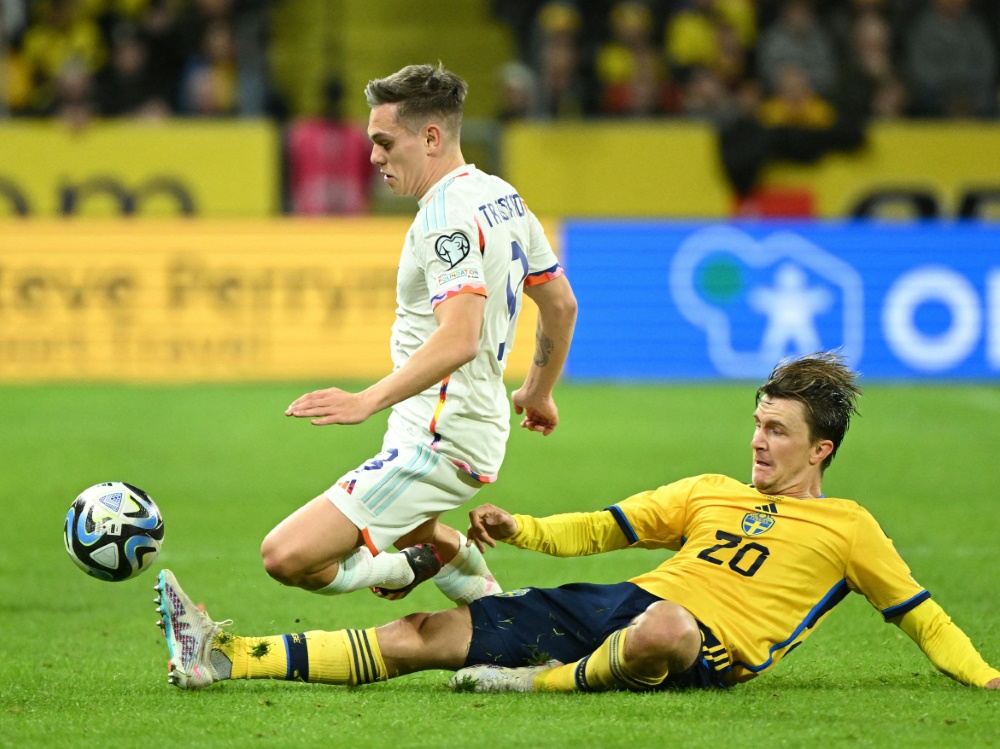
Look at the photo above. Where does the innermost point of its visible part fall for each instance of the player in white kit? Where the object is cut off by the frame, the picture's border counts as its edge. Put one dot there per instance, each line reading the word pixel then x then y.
pixel 471 251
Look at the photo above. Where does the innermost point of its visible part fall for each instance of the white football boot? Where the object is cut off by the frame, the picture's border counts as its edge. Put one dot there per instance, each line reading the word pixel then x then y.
pixel 490 678
pixel 190 634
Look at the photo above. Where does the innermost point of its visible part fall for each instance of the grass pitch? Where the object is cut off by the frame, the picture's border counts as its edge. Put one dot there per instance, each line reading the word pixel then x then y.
pixel 82 664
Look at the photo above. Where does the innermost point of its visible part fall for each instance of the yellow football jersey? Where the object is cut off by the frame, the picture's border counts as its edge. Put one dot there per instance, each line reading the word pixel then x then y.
pixel 761 571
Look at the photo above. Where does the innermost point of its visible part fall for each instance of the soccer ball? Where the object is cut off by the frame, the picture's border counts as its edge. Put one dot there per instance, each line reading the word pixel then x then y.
pixel 113 531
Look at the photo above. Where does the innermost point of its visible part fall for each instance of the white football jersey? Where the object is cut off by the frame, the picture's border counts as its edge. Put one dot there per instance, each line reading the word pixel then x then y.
pixel 472 234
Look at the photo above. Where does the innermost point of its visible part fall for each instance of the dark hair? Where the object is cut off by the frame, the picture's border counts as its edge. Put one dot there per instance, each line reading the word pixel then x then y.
pixel 423 92
pixel 827 388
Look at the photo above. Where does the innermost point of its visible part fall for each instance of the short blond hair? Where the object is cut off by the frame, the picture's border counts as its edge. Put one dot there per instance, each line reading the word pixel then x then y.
pixel 424 93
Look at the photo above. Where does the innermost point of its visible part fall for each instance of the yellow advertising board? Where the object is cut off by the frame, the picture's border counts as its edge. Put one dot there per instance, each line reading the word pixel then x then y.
pixel 946 160
pixel 636 169
pixel 161 169
pixel 204 301
pixel 673 169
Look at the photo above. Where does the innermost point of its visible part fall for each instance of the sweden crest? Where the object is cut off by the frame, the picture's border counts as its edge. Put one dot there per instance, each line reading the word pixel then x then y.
pixel 755 523
pixel 513 593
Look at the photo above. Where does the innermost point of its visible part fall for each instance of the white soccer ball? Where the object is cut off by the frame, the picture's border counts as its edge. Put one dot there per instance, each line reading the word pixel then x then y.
pixel 113 531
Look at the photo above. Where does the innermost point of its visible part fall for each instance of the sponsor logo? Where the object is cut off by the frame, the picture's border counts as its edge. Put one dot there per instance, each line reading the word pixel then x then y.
pixel 471 274
pixel 759 301
pixel 930 342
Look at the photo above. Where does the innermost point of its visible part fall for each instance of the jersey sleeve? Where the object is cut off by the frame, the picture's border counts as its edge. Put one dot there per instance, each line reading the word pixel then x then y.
pixel 876 570
pixel 452 262
pixel 574 534
pixel 655 519
pixel 543 266
pixel 947 646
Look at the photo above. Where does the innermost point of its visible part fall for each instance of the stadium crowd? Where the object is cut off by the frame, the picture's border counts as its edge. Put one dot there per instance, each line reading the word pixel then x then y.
pixel 79 59
pixel 789 62
pixel 778 78
pixel 801 62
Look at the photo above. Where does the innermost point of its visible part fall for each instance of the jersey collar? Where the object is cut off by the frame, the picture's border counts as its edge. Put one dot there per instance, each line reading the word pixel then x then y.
pixel 462 171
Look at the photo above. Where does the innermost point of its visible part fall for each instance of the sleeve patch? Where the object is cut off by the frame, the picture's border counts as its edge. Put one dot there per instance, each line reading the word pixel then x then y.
pixel 452 249
pixel 455 274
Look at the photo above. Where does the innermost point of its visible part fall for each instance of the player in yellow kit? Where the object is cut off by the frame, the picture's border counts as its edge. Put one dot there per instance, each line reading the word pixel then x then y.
pixel 756 569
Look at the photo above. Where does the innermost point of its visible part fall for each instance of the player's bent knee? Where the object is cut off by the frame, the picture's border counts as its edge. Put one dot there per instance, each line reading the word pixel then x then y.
pixel 666 635
pixel 280 564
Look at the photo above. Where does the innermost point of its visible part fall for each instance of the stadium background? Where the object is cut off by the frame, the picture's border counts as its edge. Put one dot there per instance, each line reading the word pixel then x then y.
pixel 239 288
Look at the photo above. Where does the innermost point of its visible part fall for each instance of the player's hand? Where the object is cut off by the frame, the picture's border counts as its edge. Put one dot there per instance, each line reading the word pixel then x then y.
pixel 540 414
pixel 487 523
pixel 995 684
pixel 330 406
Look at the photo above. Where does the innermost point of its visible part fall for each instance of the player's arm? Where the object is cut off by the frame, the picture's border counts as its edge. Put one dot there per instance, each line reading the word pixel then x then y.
pixel 455 342
pixel 557 309
pixel 947 646
pixel 569 535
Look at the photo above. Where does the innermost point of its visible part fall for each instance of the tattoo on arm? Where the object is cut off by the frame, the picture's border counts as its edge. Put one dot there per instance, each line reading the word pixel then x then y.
pixel 543 348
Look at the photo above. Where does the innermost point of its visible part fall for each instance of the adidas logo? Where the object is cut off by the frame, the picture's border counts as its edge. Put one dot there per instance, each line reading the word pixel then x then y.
pixel 771 508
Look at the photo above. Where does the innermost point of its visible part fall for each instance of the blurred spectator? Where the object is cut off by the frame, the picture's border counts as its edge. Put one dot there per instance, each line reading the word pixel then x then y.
pixel 951 62
pixel 797 37
pixel 713 34
pixel 60 48
pixel 74 94
pixel 208 87
pixel 869 85
pixel 732 54
pixel 15 83
pixel 707 43
pixel 329 166
pixel 250 33
pixel 166 56
pixel 630 71
pixel 518 92
pixel 556 60
pixel 127 87
pixel 13 18
pixel 707 97
pixel 794 103
pixel 520 16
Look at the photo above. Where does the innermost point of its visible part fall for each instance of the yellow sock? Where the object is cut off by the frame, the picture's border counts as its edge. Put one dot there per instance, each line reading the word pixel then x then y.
pixel 602 670
pixel 257 657
pixel 347 656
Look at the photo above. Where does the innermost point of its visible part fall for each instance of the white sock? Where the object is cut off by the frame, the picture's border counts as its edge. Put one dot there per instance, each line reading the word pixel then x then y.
pixel 466 577
pixel 360 569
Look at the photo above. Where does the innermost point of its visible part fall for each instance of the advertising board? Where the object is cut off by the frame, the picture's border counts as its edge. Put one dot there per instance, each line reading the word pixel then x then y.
pixel 667 300
pixel 175 301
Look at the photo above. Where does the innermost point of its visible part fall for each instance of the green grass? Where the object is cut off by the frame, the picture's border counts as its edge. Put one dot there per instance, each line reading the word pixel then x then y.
pixel 81 663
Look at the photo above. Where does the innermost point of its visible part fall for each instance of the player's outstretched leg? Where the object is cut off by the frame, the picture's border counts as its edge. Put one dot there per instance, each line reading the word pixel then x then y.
pixel 191 637
pixel 490 678
pixel 424 561
pixel 604 669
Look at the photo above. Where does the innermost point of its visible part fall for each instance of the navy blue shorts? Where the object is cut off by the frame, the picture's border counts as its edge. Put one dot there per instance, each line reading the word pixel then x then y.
pixel 531 625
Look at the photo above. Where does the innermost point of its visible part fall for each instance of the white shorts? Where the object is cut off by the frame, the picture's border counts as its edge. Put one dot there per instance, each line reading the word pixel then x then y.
pixel 403 486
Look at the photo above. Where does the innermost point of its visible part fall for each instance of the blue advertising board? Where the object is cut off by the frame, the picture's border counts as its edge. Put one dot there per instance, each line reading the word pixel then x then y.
pixel 668 300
